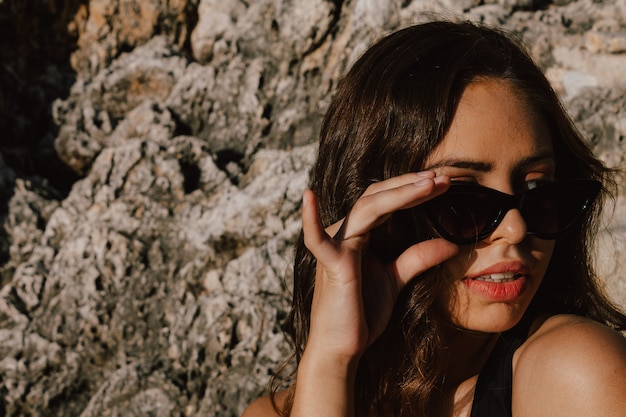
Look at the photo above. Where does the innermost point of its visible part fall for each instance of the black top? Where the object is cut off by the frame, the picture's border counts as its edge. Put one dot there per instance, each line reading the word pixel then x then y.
pixel 494 388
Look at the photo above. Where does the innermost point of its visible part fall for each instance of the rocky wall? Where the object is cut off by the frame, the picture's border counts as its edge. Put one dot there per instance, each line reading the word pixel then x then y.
pixel 152 160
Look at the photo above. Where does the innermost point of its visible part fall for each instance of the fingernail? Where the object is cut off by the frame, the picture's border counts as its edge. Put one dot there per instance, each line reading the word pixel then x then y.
pixel 440 179
pixel 424 182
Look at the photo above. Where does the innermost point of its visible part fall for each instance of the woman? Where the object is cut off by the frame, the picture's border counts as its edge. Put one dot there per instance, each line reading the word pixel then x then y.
pixel 446 271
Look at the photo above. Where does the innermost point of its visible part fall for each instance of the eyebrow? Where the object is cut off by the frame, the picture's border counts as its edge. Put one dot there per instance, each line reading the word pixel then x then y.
pixel 482 166
pixel 463 163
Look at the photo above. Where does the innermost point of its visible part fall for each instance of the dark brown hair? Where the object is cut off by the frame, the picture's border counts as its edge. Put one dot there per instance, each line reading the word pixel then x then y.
pixel 390 111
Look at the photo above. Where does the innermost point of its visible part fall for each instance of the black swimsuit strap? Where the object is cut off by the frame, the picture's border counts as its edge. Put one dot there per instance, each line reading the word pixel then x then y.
pixel 494 388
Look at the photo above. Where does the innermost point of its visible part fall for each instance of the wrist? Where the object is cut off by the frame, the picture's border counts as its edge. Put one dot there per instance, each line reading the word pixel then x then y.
pixel 325 384
pixel 329 364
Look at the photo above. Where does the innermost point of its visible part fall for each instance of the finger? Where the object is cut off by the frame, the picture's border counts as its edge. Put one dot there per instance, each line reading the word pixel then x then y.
pixel 388 184
pixel 372 210
pixel 315 238
pixel 398 181
pixel 420 257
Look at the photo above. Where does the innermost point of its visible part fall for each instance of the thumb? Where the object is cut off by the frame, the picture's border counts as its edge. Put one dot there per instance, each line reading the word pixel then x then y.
pixel 420 257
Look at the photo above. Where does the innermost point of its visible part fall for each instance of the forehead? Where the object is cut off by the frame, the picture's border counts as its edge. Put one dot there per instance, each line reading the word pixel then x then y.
pixel 493 123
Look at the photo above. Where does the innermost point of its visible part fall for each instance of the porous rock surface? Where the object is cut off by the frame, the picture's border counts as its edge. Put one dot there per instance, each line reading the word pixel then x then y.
pixel 151 168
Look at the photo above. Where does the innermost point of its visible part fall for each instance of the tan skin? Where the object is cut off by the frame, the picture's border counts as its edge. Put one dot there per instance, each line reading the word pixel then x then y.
pixel 568 366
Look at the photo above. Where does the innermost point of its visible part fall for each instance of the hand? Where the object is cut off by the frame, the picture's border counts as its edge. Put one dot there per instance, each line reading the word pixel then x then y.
pixel 345 318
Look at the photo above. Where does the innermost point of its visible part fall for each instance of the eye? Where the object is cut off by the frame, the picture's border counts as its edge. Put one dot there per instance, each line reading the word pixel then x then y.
pixel 463 180
pixel 536 182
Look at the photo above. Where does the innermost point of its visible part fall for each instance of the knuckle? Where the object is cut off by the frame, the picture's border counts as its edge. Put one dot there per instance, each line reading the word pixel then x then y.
pixel 365 204
pixel 374 187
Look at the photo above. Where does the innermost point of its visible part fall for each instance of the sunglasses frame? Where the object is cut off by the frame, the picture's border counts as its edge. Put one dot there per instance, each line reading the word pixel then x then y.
pixel 507 202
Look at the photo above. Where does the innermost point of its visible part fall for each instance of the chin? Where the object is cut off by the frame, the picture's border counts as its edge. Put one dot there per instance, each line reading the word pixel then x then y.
pixel 490 328
pixel 486 317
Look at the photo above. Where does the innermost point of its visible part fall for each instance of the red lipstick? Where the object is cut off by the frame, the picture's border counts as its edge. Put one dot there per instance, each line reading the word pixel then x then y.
pixel 499 283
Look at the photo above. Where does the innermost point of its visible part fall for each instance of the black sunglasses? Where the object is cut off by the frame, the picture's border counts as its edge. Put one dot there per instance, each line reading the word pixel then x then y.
pixel 468 213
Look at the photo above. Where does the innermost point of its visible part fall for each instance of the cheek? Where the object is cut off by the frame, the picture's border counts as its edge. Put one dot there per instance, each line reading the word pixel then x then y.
pixel 455 268
pixel 463 309
pixel 452 301
pixel 541 253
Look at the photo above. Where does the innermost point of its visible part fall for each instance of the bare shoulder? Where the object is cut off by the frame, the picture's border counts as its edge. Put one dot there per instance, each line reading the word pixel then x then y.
pixel 263 407
pixel 570 366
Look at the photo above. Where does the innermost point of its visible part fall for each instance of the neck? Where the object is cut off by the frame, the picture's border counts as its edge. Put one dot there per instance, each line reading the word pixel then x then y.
pixel 467 353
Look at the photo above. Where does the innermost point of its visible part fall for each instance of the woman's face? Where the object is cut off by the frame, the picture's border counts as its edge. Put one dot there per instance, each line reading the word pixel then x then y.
pixel 497 141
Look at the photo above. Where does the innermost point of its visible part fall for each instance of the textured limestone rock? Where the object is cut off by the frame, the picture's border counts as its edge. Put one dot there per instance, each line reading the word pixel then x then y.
pixel 156 279
pixel 148 274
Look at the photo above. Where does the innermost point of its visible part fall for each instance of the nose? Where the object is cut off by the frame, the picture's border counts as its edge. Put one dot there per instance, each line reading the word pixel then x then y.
pixel 512 228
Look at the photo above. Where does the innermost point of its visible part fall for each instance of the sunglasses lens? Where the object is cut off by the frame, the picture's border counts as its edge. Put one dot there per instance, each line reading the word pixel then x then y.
pixel 542 210
pixel 469 213
pixel 551 210
pixel 463 216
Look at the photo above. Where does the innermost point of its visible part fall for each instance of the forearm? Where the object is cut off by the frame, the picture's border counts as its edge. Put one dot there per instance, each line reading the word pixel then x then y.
pixel 324 386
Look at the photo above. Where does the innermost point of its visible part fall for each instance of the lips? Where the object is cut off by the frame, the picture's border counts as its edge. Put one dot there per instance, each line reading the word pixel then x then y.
pixel 500 283
pixel 498 278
